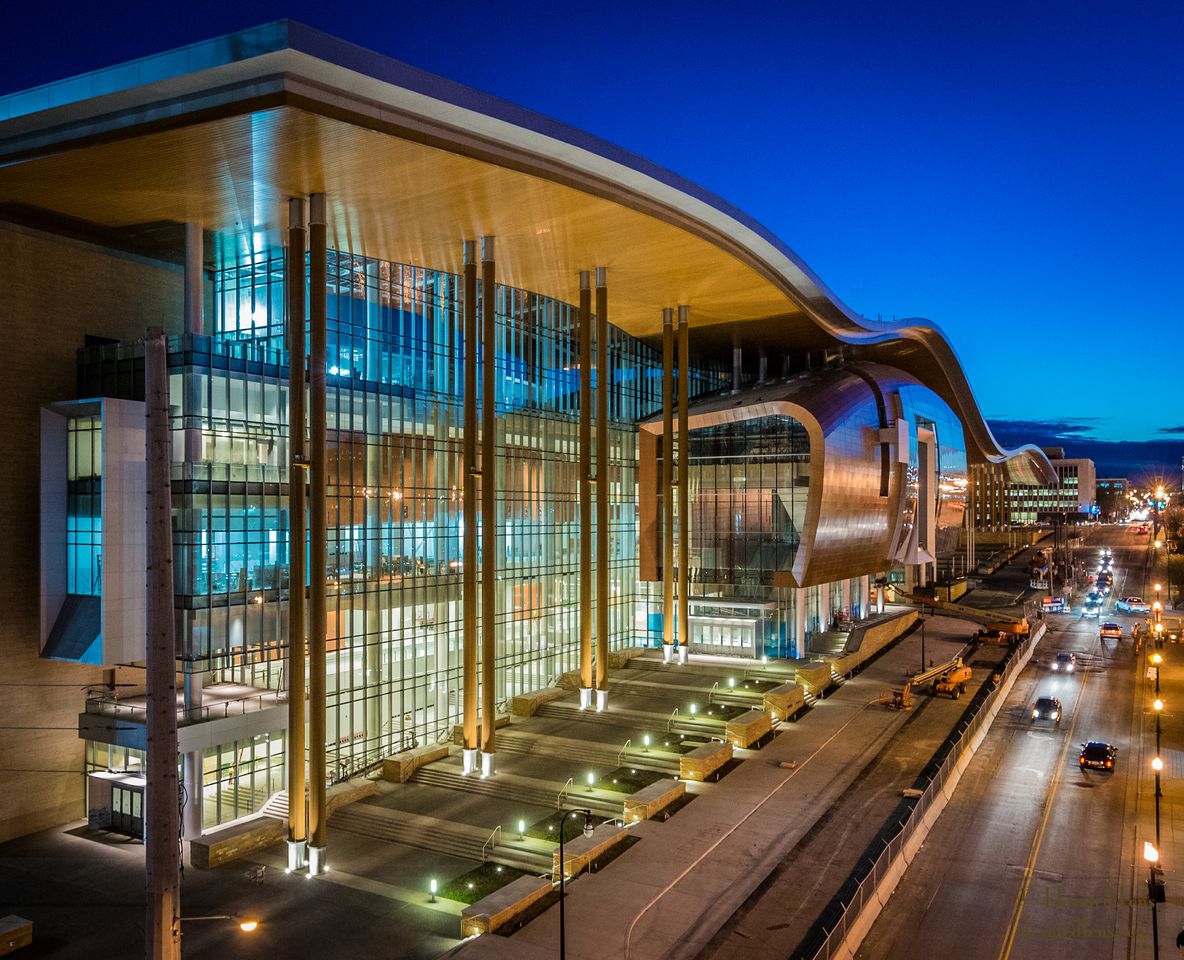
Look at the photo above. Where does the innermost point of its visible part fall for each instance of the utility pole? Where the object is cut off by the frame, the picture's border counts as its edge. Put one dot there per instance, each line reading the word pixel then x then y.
pixel 162 821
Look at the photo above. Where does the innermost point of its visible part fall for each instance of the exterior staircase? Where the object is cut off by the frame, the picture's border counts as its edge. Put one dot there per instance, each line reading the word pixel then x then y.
pixel 581 751
pixel 526 790
pixel 635 720
pixel 444 836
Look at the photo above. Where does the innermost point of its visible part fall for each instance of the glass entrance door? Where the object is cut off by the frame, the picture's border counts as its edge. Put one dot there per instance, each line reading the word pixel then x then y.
pixel 730 637
pixel 127 810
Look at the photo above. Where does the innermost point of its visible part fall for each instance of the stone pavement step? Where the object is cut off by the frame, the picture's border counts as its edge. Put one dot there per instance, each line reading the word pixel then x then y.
pixel 508 786
pixel 601 755
pixel 633 719
pixel 443 836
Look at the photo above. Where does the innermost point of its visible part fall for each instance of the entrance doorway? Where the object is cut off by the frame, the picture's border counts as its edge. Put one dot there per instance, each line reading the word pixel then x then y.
pixel 127 810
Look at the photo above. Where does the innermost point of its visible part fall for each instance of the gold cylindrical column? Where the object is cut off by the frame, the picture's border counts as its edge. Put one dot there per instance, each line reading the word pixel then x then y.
pixel 297 466
pixel 318 509
pixel 586 601
pixel 603 477
pixel 667 477
pixel 469 597
pixel 488 502
pixel 684 519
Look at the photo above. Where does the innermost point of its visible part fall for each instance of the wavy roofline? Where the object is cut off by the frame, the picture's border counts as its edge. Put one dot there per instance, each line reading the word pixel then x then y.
pixel 344 76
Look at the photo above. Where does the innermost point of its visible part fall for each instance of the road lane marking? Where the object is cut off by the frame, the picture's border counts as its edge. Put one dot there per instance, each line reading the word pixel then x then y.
pixel 1030 866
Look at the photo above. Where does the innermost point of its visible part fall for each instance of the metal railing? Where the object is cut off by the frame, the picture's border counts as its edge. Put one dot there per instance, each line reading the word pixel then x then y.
pixel 102 706
pixel 490 844
pixel 711 692
pixel 673 717
pixel 563 791
pixel 831 942
pixel 356 766
pixel 621 753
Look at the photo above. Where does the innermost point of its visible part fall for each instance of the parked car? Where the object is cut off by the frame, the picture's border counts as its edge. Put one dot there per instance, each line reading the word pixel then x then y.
pixel 1110 631
pixel 1047 708
pixel 1098 755
pixel 1132 605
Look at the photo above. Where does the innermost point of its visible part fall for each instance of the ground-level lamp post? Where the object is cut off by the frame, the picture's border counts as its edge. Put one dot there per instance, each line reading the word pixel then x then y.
pixel 1155 892
pixel 588 828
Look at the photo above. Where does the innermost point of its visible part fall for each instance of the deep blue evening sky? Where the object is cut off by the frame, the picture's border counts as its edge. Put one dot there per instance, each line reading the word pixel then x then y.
pixel 1009 170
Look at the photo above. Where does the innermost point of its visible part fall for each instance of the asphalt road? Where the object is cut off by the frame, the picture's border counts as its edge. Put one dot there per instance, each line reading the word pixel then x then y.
pixel 1028 859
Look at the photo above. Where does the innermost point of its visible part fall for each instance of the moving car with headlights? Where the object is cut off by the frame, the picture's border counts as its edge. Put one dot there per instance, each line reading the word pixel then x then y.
pixel 1110 631
pixel 1047 708
pixel 1098 755
pixel 1065 662
pixel 1091 610
pixel 1132 605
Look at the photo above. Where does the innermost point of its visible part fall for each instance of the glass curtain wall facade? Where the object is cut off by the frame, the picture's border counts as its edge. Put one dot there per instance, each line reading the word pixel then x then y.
pixel 395 471
pixel 84 512
pixel 748 487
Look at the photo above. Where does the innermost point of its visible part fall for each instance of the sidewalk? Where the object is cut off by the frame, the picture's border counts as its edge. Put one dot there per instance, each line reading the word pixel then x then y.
pixel 1136 916
pixel 667 897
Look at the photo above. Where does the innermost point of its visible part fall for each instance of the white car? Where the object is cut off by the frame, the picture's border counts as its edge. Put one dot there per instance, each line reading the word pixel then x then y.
pixel 1132 605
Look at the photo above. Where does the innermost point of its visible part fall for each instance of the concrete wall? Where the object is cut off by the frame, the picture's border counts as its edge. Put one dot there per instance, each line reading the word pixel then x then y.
pixel 52 293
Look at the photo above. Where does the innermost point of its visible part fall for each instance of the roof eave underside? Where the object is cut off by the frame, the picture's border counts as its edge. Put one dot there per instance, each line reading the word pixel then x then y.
pixel 287 63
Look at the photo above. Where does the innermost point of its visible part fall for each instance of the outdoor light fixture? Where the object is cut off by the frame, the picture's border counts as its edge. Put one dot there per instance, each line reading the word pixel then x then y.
pixel 521 829
pixel 591 778
pixel 731 681
pixel 589 827
pixel 1158 705
pixel 1150 854
pixel 432 890
pixel 1156 764
pixel 1157 659
pixel 694 709
pixel 245 924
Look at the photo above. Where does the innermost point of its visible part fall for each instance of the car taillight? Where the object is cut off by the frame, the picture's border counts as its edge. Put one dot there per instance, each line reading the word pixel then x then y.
pixel 1081 760
pixel 1109 764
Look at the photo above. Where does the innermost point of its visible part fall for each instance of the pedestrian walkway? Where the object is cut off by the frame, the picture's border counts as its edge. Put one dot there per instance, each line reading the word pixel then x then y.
pixel 668 895
pixel 1134 915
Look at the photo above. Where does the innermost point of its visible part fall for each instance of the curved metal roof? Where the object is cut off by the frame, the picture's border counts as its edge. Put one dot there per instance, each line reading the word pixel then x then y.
pixel 222 132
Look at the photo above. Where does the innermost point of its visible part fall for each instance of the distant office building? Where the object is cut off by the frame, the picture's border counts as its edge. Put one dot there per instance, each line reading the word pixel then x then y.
pixel 1074 495
pixel 1112 498
pixel 506 321
pixel 997 501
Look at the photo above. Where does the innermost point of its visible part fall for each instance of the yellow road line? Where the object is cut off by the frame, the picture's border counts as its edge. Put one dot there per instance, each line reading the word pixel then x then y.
pixel 1029 868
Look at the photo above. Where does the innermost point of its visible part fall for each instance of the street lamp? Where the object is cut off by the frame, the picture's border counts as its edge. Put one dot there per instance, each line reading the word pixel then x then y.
pixel 1156 660
pixel 1157 705
pixel 922 619
pixel 1155 892
pixel 245 924
pixel 1157 766
pixel 588 828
